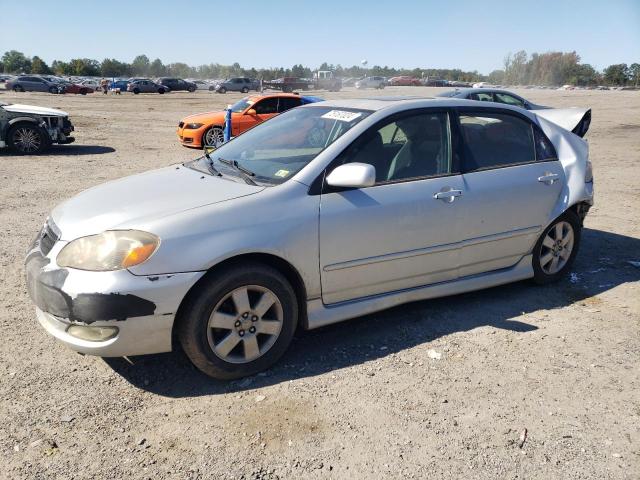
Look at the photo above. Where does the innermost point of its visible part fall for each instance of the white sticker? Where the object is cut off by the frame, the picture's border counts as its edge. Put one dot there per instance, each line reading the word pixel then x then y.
pixel 341 115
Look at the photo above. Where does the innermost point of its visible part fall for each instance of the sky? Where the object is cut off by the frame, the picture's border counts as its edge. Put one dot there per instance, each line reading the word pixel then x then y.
pixel 471 35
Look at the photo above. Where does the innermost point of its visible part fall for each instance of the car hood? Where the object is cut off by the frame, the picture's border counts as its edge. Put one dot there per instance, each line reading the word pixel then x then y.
pixel 206 117
pixel 32 109
pixel 131 201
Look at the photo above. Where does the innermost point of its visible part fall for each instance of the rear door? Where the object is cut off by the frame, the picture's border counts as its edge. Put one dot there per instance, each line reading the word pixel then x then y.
pixel 512 181
pixel 264 108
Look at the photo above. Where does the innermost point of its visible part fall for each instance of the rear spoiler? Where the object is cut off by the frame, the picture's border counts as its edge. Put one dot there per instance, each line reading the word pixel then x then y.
pixel 576 120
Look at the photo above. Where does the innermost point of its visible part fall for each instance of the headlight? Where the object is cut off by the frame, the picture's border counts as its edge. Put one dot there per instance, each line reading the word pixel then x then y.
pixel 193 126
pixel 111 250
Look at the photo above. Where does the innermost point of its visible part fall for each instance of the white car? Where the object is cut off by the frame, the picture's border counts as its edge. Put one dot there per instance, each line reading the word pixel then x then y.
pixel 323 213
pixel 372 82
pixel 203 85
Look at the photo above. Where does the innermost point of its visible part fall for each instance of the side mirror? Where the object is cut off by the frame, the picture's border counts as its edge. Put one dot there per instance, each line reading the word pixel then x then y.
pixel 353 175
pixel 252 112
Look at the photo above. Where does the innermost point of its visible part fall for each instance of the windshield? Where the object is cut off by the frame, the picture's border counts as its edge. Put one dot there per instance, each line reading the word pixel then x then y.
pixel 241 105
pixel 279 148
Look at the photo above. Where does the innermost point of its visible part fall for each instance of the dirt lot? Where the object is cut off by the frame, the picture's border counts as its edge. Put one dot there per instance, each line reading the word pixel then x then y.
pixel 361 399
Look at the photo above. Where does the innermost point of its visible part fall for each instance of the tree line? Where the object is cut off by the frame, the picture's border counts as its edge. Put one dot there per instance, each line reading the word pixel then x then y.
pixel 551 68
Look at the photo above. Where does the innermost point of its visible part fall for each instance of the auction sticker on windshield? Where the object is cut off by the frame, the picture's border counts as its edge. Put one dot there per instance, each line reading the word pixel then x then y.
pixel 342 115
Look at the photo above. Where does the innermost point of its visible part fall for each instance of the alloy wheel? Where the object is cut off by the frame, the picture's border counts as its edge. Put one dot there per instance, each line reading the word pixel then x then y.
pixel 214 137
pixel 27 140
pixel 556 248
pixel 245 324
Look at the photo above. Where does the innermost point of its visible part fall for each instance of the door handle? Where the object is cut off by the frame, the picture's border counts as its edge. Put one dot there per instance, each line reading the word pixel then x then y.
pixel 549 178
pixel 448 196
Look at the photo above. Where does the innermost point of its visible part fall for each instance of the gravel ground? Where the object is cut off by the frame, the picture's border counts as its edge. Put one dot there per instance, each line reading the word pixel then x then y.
pixel 440 388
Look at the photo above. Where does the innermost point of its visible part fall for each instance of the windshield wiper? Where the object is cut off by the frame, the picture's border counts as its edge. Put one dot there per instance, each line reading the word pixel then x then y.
pixel 245 173
pixel 210 166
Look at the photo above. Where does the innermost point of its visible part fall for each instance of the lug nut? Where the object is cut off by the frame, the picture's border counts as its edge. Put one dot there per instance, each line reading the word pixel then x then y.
pixel 241 333
pixel 254 319
pixel 237 324
pixel 252 329
pixel 245 315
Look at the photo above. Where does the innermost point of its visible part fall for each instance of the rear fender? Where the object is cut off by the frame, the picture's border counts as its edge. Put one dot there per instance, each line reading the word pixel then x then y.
pixel 576 120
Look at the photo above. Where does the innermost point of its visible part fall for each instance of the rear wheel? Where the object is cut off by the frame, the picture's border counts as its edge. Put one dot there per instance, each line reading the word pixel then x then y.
pixel 83 92
pixel 239 321
pixel 191 89
pixel 556 249
pixel 18 88
pixel 222 90
pixel 161 91
pixel 26 139
pixel 53 90
pixel 245 90
pixel 136 91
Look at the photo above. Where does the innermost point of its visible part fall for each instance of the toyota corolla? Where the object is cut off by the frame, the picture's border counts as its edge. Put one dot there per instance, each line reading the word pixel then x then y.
pixel 324 213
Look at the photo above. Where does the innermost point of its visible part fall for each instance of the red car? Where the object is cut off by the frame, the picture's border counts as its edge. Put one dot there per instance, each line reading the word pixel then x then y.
pixel 75 88
pixel 404 81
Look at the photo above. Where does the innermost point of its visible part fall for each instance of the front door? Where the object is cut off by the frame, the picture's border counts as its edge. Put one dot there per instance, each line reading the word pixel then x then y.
pixel 512 181
pixel 264 109
pixel 402 232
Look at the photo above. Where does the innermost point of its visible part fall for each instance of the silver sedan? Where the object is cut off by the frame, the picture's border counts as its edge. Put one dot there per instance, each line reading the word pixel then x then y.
pixel 323 213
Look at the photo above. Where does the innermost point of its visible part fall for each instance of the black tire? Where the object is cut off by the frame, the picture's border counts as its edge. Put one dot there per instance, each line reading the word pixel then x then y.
pixel 192 89
pixel 18 88
pixel 212 89
pixel 539 275
pixel 52 90
pixel 44 142
pixel 136 91
pixel 83 92
pixel 161 91
pixel 287 89
pixel 245 90
pixel 193 329
pixel 222 90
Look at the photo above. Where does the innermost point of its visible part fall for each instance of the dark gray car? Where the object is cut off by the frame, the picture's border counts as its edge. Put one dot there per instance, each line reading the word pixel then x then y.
pixel 238 84
pixel 33 83
pixel 492 95
pixel 146 86
pixel 177 84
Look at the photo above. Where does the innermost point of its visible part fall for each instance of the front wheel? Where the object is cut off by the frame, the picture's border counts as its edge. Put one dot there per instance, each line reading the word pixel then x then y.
pixel 53 90
pixel 192 89
pixel 161 91
pixel 136 91
pixel 83 92
pixel 556 249
pixel 213 137
pixel 222 90
pixel 239 321
pixel 25 139
pixel 18 88
pixel 245 90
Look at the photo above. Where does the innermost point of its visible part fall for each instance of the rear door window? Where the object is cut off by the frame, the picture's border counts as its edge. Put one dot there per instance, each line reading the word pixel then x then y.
pixel 494 140
pixel 508 99
pixel 287 103
pixel 482 96
pixel 267 106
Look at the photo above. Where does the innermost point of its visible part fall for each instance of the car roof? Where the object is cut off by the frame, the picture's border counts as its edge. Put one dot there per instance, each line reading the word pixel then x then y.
pixel 260 96
pixel 480 90
pixel 408 102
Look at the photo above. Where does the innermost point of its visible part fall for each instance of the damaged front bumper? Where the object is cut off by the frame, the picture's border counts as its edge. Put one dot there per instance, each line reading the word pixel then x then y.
pixel 138 310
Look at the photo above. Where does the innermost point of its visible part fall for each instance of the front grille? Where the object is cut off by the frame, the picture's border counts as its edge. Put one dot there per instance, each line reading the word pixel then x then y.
pixel 181 124
pixel 48 238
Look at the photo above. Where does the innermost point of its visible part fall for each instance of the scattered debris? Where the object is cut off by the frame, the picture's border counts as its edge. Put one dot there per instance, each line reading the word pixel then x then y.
pixel 260 398
pixel 434 355
pixel 67 418
pixel 523 438
pixel 142 441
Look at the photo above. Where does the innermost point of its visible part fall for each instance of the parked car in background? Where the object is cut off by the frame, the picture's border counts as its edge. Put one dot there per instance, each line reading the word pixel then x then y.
pixel 33 83
pixel 119 84
pixel 491 95
pixel 237 84
pixel 73 88
pixel 177 84
pixel 231 252
pixel 202 85
pixel 371 82
pixel 5 78
pixel 94 84
pixel 208 128
pixel 404 81
pixel 27 129
pixel 146 86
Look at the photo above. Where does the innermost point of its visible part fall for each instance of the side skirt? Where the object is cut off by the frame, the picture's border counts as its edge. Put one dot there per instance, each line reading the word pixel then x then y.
pixel 320 314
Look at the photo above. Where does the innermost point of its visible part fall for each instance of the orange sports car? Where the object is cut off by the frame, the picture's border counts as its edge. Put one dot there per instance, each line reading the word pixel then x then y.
pixel 208 128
